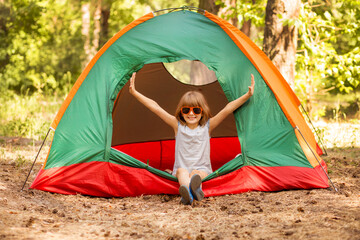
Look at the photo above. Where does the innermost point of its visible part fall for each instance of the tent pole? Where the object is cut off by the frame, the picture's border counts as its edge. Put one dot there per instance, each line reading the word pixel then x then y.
pixel 190 8
pixel 314 129
pixel 316 158
pixel 47 134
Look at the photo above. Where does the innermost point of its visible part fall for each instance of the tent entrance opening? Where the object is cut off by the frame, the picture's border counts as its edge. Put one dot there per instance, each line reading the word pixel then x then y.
pixel 141 134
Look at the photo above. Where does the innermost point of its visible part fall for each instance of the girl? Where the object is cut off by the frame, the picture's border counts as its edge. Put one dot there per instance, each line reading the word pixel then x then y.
pixel 192 125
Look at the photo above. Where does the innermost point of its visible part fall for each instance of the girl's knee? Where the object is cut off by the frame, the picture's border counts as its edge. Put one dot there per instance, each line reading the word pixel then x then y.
pixel 202 174
pixel 193 172
pixel 181 171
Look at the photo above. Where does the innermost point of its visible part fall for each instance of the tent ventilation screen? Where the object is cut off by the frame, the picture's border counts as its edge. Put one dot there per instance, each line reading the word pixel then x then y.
pixel 191 72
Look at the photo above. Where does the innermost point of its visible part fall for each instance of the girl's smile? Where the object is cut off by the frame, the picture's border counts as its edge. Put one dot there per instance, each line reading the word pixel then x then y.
pixel 192 120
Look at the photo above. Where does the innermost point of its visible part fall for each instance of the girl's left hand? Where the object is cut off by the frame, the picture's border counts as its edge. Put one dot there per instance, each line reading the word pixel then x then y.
pixel 132 83
pixel 251 88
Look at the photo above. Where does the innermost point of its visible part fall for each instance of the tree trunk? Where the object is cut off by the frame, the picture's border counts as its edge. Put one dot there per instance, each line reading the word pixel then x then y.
pixel 97 28
pixel 85 31
pixel 246 28
pixel 92 39
pixel 280 40
pixel 230 10
pixel 105 15
pixel 209 5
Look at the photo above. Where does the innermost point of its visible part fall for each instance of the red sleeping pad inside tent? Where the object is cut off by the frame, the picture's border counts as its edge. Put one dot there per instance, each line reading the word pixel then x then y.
pixel 161 154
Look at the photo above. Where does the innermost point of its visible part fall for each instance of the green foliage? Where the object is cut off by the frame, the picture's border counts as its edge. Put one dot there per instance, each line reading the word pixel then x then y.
pixel 41 42
pixel 41 45
pixel 245 10
pixel 328 45
pixel 41 55
pixel 328 51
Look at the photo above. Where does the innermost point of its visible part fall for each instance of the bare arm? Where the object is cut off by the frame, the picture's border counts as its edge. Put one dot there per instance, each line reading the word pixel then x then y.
pixel 152 105
pixel 232 106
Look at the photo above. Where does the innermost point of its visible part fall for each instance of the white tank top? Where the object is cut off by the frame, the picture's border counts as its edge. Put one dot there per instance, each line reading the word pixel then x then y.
pixel 192 149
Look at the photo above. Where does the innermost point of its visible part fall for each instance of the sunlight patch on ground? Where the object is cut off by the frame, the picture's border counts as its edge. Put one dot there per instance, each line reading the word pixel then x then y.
pixel 339 134
pixel 2 186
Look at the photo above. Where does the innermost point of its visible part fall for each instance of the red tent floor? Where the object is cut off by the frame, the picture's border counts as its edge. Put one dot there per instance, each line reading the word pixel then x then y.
pixel 106 179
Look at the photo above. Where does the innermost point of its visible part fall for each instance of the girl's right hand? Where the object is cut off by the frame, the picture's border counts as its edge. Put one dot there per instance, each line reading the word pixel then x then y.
pixel 132 83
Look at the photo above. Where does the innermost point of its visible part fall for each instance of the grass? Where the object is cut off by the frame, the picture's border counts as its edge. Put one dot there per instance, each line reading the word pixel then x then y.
pixel 339 134
pixel 20 161
pixel 27 116
pixel 339 107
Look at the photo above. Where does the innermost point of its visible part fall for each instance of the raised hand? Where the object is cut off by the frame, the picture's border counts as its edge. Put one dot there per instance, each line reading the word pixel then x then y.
pixel 251 88
pixel 152 105
pixel 132 83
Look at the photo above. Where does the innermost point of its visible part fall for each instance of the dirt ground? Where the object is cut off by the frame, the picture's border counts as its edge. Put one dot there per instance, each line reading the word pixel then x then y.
pixel 295 214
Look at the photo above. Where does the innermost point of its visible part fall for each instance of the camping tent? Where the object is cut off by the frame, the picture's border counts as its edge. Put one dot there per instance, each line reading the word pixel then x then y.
pixel 107 144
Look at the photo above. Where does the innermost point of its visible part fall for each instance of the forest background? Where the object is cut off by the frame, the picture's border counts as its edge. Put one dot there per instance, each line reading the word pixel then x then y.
pixel 45 44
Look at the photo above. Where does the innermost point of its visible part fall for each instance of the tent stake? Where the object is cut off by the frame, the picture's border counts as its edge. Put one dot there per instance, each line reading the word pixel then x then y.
pixel 314 129
pixel 316 158
pixel 35 159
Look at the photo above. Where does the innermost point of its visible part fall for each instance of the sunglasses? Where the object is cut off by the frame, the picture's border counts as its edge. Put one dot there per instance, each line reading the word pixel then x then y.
pixel 195 110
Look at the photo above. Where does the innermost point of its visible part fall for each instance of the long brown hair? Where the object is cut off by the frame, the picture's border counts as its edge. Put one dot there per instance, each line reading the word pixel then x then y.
pixel 193 99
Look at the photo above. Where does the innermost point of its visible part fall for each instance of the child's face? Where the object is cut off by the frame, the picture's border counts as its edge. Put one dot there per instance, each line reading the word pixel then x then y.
pixel 191 118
